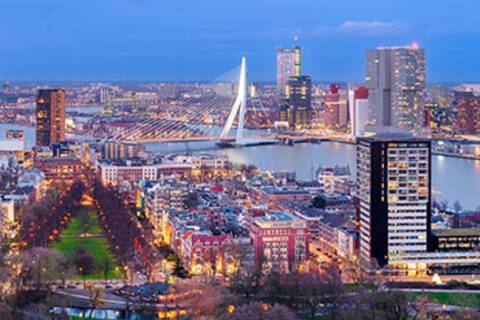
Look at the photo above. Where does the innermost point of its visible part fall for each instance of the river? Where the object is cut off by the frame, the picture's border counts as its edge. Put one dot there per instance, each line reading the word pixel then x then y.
pixel 453 178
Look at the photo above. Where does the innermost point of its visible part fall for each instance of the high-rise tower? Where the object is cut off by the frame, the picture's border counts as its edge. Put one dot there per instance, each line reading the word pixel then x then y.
pixel 393 196
pixel 50 113
pixel 289 64
pixel 395 78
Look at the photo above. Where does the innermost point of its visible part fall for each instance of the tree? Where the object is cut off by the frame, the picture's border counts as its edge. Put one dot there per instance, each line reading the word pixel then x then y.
pixel 457 207
pixel 247 282
pixel 205 300
pixel 373 304
pixel 84 261
pixel 191 201
pixel 310 292
pixel 6 311
pixel 443 205
pixel 41 267
pixel 259 311
pixel 179 269
pixel 319 202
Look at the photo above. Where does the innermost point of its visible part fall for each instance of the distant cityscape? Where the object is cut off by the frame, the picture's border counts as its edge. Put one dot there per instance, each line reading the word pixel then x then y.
pixel 124 200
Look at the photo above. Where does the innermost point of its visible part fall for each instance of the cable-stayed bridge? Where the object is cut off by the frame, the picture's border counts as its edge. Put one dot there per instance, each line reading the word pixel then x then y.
pixel 205 117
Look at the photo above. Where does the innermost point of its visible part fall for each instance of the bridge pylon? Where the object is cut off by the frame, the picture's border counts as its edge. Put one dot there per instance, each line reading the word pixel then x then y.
pixel 239 106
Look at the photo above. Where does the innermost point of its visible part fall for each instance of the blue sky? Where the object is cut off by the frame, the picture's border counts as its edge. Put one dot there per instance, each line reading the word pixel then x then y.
pixel 201 39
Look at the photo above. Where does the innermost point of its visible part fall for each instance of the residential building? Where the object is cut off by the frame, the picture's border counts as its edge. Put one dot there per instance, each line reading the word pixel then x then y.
pixel 60 169
pixel 395 78
pixel 280 241
pixel 394 196
pixel 156 198
pixel 50 112
pixel 334 180
pixel 116 150
pixel 135 170
pixel 7 218
pixel 275 194
pixel 467 106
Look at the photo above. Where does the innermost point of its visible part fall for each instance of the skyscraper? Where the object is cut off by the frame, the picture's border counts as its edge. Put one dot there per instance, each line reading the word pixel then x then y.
pixel 395 78
pixel 358 103
pixel 297 106
pixel 50 114
pixel 393 196
pixel 289 64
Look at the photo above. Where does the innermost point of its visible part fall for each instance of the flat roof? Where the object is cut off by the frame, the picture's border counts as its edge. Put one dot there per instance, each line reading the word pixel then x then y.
pixel 457 232
pixel 273 216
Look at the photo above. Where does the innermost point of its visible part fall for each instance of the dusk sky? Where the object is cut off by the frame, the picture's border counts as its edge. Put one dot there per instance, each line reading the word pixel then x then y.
pixel 199 40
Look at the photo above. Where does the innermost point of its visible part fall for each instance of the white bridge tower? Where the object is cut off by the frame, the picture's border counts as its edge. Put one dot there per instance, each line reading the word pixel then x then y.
pixel 239 106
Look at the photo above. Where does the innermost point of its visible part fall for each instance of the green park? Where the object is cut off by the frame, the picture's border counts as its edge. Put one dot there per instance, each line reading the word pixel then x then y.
pixel 86 247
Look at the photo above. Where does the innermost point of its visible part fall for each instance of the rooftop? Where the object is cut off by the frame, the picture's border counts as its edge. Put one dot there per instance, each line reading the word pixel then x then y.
pixel 276 216
pixel 457 232
pixel 279 191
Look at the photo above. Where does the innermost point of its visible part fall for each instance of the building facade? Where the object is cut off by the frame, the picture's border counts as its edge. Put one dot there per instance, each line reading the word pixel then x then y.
pixel 358 103
pixel 336 108
pixel 289 64
pixel 297 106
pixel 394 196
pixel 280 241
pixel 50 114
pixel 61 169
pixel 467 106
pixel 395 78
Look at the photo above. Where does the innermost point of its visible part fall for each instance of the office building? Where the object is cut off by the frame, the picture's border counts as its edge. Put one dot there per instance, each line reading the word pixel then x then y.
pixel 297 106
pixel 336 108
pixel 393 196
pixel 457 239
pixel 289 64
pixel 358 103
pixel 50 114
pixel 395 77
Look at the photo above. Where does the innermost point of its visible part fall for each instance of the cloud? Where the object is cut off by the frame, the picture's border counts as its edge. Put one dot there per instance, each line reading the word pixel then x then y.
pixel 373 28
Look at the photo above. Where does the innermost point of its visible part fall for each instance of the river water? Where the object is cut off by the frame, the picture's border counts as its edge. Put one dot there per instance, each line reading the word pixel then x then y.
pixel 453 178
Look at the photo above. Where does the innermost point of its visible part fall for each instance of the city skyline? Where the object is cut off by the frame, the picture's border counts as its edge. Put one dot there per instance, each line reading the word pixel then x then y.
pixel 146 40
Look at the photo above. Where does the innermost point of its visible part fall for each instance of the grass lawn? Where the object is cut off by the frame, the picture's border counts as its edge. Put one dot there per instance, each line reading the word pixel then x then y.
pixel 75 226
pixel 352 287
pixel 453 298
pixel 71 239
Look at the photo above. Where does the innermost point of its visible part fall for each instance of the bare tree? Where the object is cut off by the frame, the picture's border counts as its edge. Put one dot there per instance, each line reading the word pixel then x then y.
pixel 204 299
pixel 259 311
pixel 457 207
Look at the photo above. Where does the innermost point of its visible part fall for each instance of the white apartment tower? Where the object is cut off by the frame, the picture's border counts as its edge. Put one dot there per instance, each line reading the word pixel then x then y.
pixel 393 196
